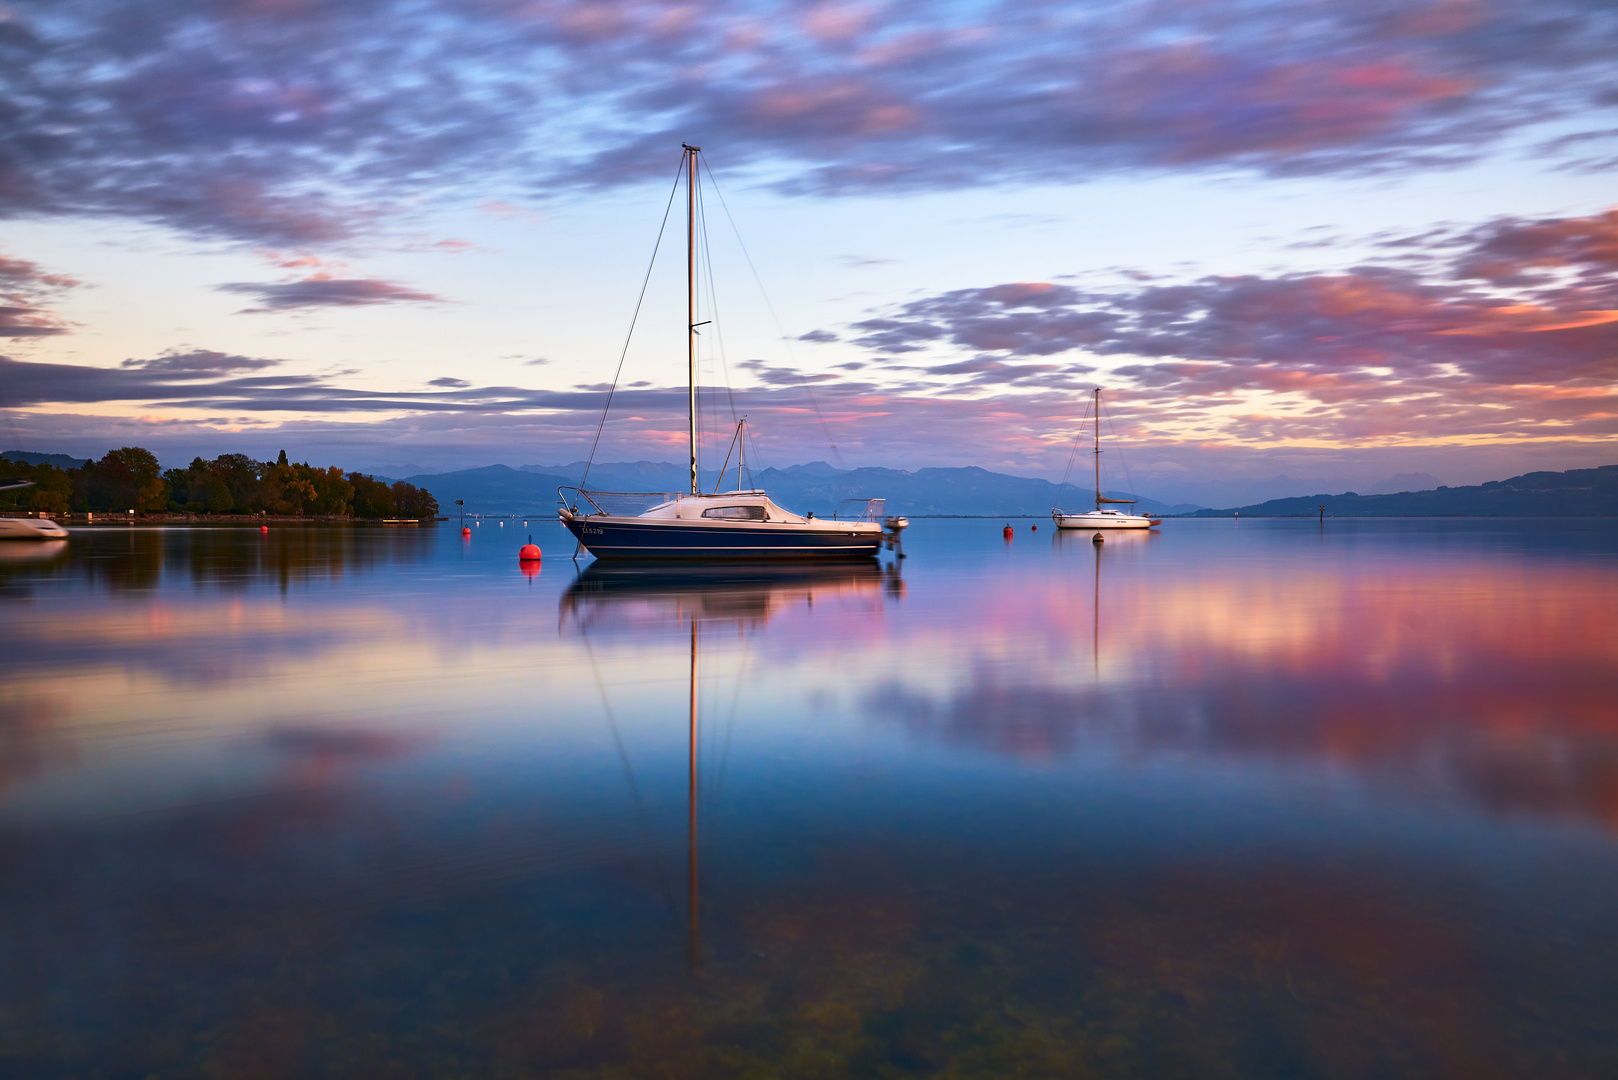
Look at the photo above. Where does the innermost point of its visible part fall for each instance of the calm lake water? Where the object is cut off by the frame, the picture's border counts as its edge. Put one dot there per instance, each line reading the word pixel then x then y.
pixel 1243 799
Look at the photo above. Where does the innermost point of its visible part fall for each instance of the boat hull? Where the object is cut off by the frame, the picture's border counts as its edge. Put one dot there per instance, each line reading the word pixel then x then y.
pixel 1102 521
pixel 633 539
pixel 31 529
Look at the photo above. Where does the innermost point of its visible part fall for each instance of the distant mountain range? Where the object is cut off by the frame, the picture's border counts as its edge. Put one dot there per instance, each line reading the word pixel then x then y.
pixel 971 491
pixel 817 486
pixel 1575 493
pixel 1212 489
pixel 28 457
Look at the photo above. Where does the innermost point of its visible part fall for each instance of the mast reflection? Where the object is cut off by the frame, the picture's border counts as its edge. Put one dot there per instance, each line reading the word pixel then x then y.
pixel 614 596
pixel 693 944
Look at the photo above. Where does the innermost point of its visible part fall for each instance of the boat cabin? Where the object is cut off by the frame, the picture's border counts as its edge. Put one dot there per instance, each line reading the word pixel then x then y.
pixel 737 506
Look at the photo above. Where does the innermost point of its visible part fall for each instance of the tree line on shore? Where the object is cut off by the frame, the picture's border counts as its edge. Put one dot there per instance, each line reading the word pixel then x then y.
pixel 130 478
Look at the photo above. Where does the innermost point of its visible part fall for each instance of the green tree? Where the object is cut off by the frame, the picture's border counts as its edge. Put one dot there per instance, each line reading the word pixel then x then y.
pixel 210 494
pixel 333 492
pixel 52 492
pixel 372 498
pixel 304 489
pixel 125 479
pixel 199 489
pixel 241 475
pixel 410 501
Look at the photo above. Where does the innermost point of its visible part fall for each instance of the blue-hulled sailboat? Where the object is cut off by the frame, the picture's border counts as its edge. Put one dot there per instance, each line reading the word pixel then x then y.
pixel 739 524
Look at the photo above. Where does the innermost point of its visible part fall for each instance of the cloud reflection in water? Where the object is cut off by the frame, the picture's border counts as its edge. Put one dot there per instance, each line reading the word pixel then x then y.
pixel 389 801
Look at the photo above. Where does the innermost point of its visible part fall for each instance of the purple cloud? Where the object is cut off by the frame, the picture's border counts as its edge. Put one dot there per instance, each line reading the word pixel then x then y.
pixel 199 363
pixel 24 286
pixel 322 291
pixel 301 124
pixel 1514 327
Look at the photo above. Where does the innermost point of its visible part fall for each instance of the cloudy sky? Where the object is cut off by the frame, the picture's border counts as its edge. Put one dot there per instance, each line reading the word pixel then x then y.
pixel 1338 239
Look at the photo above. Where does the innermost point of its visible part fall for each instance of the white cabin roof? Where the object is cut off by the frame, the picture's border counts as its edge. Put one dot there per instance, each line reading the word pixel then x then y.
pixel 687 507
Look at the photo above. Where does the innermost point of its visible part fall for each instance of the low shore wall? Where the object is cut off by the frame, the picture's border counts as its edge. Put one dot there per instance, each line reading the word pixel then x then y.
pixel 111 520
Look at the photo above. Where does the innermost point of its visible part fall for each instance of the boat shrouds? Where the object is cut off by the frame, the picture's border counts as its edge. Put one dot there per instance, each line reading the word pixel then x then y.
pixel 741 524
pixel 1102 517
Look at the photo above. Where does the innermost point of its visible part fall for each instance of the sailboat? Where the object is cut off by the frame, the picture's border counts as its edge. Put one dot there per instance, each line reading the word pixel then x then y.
pixel 737 524
pixel 1102 517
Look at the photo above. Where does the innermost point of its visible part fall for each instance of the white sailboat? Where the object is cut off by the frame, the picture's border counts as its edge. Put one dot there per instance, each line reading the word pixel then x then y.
pixel 1102 517
pixel 715 526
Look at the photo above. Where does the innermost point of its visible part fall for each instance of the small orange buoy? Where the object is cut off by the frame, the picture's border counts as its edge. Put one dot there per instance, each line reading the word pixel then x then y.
pixel 466 531
pixel 1098 539
pixel 1008 532
pixel 528 552
pixel 263 528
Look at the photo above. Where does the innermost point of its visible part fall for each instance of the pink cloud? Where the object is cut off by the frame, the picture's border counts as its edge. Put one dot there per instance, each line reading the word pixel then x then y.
pixel 1326 343
pixel 836 22
pixel 24 287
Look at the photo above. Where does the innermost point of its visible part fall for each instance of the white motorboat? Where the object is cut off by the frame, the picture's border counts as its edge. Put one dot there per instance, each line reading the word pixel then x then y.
pixel 1102 517
pixel 31 529
pixel 34 528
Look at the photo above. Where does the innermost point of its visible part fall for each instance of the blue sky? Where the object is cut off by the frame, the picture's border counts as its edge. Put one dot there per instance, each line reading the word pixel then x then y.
pixel 1333 240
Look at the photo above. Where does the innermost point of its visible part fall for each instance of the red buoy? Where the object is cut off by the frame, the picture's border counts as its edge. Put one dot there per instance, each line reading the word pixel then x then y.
pixel 1007 532
pixel 1033 528
pixel 263 528
pixel 528 552
pixel 465 531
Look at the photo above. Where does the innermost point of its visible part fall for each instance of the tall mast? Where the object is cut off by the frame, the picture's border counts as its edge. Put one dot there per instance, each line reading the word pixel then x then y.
pixel 691 298
pixel 1097 419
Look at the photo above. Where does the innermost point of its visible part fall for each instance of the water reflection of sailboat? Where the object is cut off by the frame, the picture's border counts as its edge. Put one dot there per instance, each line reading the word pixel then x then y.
pixel 693 941
pixel 1121 543
pixel 619 593
pixel 612 596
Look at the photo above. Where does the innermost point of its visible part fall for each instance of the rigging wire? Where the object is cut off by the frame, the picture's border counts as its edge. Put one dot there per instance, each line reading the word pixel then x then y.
pixel 779 328
pixel 1076 440
pixel 730 724
pixel 634 788
pixel 1123 459
pixel 713 299
pixel 719 341
pixel 632 320
pixel 720 479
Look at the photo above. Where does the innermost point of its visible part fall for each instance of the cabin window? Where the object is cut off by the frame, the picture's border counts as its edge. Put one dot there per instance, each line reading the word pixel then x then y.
pixel 736 513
